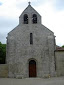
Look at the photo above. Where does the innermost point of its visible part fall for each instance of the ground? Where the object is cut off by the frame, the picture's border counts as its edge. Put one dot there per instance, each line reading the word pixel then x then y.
pixel 32 81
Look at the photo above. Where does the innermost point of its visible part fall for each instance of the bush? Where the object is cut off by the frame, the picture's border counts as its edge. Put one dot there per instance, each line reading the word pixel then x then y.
pixel 2 53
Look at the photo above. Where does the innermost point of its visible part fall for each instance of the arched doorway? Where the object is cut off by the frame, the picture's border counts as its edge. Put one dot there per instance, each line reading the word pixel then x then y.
pixel 32 68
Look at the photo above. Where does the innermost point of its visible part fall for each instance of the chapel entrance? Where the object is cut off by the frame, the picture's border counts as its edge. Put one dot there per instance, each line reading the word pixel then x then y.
pixel 32 68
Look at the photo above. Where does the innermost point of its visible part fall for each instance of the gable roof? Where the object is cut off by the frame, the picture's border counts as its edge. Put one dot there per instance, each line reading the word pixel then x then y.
pixel 30 9
pixel 58 48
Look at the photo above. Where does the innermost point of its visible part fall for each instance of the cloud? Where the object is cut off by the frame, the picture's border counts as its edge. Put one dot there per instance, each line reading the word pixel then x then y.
pixel 3 37
pixel 59 4
pixel 52 16
pixel 54 20
pixel 6 25
pixel 24 3
pixel 7 21
pixel 1 3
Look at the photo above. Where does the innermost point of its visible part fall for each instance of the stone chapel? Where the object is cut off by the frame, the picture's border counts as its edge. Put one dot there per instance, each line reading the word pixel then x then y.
pixel 30 47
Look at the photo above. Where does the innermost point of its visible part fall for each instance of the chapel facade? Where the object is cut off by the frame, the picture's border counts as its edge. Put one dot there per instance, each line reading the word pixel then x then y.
pixel 30 47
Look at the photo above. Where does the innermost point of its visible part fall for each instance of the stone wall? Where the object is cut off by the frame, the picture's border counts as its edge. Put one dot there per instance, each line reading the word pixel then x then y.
pixel 59 63
pixel 3 70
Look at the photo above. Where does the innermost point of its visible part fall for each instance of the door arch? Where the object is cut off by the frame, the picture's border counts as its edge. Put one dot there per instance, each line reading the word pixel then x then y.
pixel 32 68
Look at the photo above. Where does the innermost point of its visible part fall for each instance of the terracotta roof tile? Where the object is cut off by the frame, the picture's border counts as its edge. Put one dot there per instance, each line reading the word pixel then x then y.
pixel 59 48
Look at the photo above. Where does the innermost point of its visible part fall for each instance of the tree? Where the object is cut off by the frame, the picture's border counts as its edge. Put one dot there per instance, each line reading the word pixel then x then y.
pixel 62 46
pixel 2 53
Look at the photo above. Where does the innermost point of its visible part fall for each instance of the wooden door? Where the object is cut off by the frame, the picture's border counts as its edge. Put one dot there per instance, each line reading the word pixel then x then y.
pixel 32 68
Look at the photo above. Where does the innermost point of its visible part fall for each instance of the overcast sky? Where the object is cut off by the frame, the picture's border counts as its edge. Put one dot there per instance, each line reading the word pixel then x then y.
pixel 52 12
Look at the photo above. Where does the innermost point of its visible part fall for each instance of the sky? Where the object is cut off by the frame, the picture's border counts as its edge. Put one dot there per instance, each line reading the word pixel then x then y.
pixel 52 12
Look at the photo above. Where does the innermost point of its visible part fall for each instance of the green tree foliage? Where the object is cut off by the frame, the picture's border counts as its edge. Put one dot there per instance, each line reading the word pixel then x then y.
pixel 2 53
pixel 63 46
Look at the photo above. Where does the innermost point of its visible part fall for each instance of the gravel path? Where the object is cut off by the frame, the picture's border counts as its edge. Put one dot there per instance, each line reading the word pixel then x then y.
pixel 32 81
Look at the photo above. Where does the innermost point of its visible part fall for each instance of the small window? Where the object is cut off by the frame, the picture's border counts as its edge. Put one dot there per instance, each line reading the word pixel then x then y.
pixel 31 38
pixel 34 17
pixel 25 19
